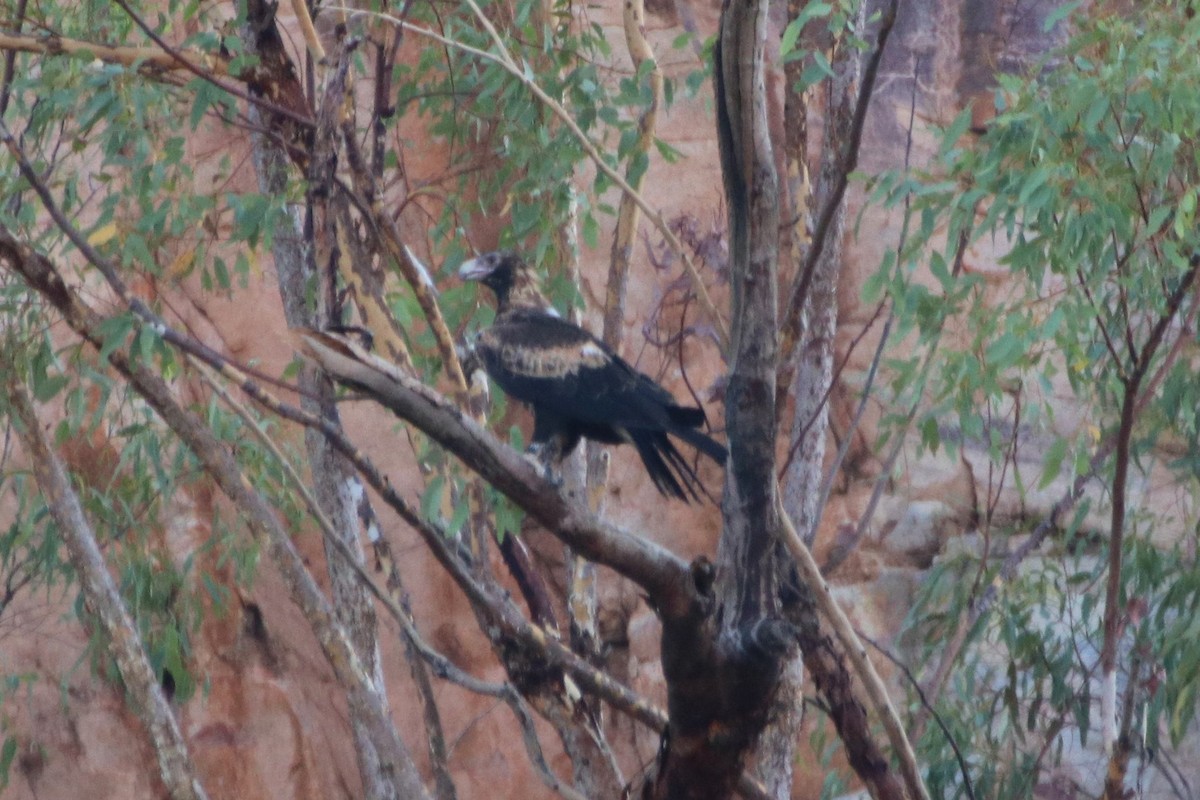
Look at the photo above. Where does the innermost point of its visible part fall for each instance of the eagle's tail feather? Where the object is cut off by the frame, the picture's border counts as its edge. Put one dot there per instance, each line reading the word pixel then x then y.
pixel 704 443
pixel 682 467
pixel 666 473
pixel 686 416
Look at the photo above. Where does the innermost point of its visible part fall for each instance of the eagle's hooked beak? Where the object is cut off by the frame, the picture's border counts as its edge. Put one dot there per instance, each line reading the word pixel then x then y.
pixel 476 269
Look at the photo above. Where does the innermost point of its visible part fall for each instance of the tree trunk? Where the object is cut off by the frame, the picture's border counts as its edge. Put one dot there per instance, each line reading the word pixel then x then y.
pixel 306 304
pixel 752 194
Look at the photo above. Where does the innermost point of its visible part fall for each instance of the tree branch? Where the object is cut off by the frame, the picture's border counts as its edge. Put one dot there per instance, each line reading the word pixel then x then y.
pixel 155 62
pixel 41 276
pixel 656 570
pixel 103 599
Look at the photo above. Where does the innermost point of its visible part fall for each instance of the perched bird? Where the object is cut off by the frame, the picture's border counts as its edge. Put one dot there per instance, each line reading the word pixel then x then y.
pixel 577 386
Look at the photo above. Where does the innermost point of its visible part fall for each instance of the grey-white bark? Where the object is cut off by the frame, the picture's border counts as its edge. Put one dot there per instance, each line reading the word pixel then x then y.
pixel 814 357
pixel 102 598
pixel 334 483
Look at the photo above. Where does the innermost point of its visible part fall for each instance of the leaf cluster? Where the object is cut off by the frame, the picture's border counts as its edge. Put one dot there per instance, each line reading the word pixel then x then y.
pixel 1085 183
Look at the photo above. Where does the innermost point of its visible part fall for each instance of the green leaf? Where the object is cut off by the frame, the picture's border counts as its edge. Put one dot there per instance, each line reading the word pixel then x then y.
pixel 7 752
pixel 815 72
pixel 1058 14
pixel 791 33
pixel 668 153
pixel 1052 462
pixel 147 338
pixel 591 231
pixel 955 132
pixel 459 517
pixel 431 499
pixel 113 333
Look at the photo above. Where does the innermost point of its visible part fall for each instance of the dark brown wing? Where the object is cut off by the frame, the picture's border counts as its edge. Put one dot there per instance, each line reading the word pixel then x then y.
pixel 558 367
pixel 577 386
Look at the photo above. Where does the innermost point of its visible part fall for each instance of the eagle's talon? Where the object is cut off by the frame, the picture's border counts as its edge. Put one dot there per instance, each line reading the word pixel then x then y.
pixel 537 453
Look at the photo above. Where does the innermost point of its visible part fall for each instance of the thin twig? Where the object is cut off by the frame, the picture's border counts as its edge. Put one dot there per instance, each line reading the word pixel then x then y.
pixel 835 559
pixel 799 293
pixel 968 786
pixel 876 691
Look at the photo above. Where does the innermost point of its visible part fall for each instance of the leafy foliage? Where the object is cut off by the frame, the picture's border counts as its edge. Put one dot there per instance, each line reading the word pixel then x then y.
pixel 121 152
pixel 1086 181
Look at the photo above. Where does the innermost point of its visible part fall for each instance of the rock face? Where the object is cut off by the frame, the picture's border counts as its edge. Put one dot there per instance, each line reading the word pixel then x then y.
pixel 269 721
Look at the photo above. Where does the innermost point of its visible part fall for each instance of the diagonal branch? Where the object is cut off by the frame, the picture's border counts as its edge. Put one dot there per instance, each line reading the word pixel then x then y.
pixel 492 606
pixel 40 275
pixel 655 569
pixel 103 599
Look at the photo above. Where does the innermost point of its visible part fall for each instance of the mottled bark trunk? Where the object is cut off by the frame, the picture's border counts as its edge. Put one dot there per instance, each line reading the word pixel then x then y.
pixel 306 303
pixel 333 484
pixel 722 656
pixel 752 194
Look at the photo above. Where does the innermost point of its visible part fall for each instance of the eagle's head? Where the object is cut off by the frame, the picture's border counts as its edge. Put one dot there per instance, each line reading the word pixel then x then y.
pixel 509 277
